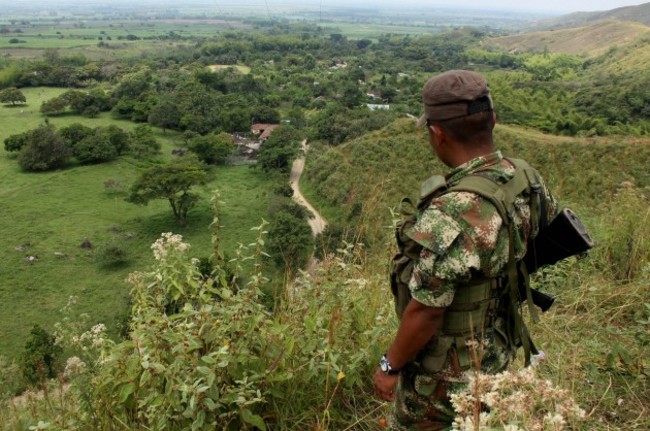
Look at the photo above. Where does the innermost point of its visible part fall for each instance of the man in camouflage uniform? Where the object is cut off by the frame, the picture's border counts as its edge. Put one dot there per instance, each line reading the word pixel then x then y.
pixel 464 242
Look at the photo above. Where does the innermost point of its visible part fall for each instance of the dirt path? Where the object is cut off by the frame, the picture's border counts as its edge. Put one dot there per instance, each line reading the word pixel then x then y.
pixel 317 223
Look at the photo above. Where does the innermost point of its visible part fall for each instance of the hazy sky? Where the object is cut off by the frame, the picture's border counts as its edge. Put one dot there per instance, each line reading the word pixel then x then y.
pixel 536 5
pixel 555 6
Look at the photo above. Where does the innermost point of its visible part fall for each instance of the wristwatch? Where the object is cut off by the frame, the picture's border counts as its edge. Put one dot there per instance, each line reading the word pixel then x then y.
pixel 384 365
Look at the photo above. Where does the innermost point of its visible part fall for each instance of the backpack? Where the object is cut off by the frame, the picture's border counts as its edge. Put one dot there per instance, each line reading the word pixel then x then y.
pixel 481 299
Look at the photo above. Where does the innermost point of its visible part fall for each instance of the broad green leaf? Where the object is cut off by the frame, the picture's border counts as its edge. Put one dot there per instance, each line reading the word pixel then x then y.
pixel 253 419
pixel 126 390
pixel 210 404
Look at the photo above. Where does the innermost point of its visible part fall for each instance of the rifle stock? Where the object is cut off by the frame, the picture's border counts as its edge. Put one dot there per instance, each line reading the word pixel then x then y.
pixel 565 236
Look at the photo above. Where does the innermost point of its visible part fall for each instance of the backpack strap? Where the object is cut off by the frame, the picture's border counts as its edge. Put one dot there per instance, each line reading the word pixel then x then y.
pixel 502 196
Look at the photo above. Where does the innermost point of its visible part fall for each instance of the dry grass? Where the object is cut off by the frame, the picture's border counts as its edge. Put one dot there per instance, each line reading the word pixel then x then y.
pixel 592 40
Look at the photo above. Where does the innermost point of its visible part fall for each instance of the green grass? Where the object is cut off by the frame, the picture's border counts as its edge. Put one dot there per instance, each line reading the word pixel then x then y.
pixel 55 211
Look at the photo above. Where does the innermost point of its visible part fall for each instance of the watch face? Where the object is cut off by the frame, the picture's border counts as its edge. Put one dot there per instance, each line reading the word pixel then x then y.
pixel 383 364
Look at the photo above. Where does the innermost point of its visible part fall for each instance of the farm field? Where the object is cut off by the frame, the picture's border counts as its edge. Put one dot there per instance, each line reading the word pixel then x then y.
pixel 118 38
pixel 54 212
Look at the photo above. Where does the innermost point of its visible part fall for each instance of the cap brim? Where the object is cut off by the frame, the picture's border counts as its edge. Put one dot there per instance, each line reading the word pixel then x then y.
pixel 422 121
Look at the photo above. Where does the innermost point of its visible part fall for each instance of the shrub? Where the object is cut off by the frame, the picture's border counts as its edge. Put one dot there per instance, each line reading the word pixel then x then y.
pixel 517 401
pixel 204 353
pixel 212 149
pixel 40 360
pixel 96 148
pixel 113 186
pixel 44 150
pixel 112 254
pixel 16 142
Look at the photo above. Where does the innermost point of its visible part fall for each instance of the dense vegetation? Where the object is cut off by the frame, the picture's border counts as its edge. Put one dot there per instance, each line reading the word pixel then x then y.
pixel 214 336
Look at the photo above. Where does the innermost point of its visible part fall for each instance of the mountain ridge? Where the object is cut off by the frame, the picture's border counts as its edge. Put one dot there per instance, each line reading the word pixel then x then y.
pixel 591 39
pixel 639 13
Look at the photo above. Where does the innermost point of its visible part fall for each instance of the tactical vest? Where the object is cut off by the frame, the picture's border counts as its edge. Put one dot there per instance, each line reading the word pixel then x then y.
pixel 483 302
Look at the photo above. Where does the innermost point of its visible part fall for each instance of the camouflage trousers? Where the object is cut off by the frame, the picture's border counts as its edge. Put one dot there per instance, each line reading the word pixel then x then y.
pixel 422 402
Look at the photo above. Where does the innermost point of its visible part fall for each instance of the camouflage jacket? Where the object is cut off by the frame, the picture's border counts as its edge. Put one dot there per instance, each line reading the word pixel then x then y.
pixel 463 236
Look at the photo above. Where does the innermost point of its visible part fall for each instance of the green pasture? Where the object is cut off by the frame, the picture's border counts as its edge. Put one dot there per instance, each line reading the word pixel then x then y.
pixel 71 38
pixel 54 212
pixel 372 31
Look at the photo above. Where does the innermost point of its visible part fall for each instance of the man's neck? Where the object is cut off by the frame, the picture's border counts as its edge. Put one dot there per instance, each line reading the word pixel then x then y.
pixel 464 153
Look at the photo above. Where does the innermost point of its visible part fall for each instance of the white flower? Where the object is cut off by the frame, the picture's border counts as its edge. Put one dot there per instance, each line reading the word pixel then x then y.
pixel 168 241
pixel 73 367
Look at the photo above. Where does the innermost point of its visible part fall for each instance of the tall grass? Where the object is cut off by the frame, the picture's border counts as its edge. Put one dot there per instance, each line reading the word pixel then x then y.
pixel 596 335
pixel 307 364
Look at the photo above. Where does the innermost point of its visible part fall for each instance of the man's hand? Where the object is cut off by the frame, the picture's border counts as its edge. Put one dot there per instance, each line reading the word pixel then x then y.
pixel 385 385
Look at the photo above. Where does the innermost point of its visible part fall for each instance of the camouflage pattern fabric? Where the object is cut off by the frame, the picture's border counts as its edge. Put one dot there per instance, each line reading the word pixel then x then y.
pixel 462 234
pixel 463 237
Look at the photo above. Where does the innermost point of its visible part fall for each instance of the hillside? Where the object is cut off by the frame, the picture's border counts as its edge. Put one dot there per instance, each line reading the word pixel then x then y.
pixel 378 168
pixel 606 181
pixel 639 14
pixel 590 39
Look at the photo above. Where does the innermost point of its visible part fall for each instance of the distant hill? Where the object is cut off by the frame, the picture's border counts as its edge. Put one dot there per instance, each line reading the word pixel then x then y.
pixel 639 14
pixel 591 39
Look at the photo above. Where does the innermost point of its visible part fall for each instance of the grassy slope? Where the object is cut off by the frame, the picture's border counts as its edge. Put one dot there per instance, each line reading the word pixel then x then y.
pixel 592 39
pixel 55 211
pixel 393 161
pixel 595 333
pixel 382 167
pixel 639 13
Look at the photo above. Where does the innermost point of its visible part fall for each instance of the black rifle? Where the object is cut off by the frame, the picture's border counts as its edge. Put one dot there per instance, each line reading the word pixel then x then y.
pixel 563 237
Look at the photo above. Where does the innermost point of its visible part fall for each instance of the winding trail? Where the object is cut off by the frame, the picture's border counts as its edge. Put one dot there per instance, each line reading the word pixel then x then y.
pixel 317 222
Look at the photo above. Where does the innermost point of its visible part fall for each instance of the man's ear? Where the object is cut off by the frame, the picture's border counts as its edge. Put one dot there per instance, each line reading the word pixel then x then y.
pixel 438 132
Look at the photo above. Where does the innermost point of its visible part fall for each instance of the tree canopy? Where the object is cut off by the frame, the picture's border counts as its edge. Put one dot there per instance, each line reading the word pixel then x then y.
pixel 12 95
pixel 44 150
pixel 213 149
pixel 173 182
pixel 280 149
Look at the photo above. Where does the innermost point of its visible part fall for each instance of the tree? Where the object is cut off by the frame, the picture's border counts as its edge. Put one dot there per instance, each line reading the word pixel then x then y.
pixel 74 133
pixel 16 142
pixel 165 114
pixel 44 150
pixel 290 239
pixel 95 148
pixel 118 138
pixel 173 182
pixel 213 149
pixel 12 95
pixel 143 143
pixel 266 114
pixel 87 104
pixel 54 106
pixel 279 150
pixel 41 356
pixel 351 96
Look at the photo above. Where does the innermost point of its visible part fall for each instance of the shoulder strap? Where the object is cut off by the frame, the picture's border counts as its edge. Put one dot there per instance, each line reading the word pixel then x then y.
pixel 502 196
